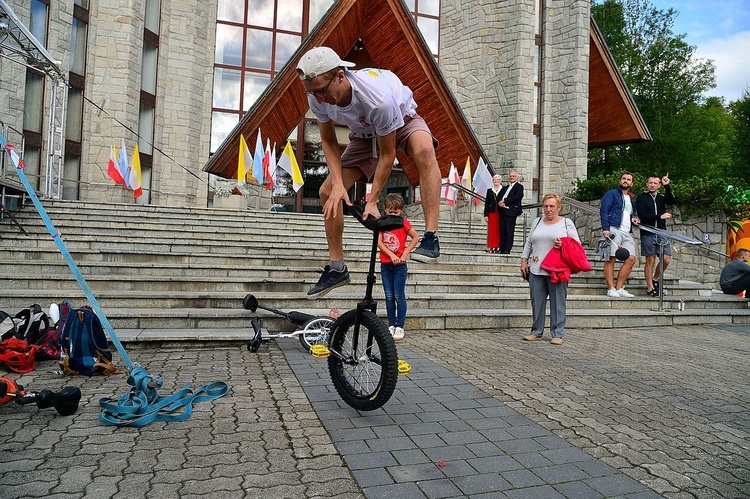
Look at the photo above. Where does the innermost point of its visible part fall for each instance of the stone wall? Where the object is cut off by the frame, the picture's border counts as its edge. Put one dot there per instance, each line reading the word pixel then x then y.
pixel 12 81
pixel 183 97
pixel 565 96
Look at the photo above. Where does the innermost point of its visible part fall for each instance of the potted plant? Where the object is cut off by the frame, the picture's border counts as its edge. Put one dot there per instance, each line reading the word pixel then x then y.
pixel 228 195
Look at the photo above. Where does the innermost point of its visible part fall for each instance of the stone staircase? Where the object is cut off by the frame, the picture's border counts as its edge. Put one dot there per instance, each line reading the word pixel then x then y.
pixel 173 274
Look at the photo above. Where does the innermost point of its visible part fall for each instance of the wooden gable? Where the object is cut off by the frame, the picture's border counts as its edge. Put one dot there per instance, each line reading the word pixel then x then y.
pixel 613 116
pixel 382 33
pixel 371 33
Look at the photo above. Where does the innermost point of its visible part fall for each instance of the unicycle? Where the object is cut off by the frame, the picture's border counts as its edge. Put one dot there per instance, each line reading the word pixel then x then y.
pixel 363 360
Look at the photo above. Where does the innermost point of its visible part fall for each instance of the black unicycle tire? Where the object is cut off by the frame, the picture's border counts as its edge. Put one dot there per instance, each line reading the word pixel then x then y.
pixel 316 331
pixel 364 382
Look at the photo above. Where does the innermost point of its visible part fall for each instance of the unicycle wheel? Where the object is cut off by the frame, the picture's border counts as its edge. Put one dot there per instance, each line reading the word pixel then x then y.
pixel 363 366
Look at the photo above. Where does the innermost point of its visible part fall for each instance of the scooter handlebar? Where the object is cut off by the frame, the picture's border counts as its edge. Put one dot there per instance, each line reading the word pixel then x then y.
pixel 65 401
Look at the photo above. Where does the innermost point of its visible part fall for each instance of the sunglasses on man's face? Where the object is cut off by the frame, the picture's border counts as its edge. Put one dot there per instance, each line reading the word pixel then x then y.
pixel 320 93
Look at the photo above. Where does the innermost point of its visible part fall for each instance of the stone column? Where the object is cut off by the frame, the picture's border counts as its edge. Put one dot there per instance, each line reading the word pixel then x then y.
pixel 487 54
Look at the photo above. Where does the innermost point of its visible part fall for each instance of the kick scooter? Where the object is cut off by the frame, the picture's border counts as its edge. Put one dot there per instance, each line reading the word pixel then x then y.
pixel 313 330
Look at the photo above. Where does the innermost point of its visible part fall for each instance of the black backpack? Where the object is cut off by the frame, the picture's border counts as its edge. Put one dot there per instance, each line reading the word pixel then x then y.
pixel 29 324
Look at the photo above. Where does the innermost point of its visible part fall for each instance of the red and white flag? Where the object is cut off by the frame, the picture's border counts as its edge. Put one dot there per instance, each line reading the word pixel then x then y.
pixel 112 168
pixel 455 179
pixel 267 177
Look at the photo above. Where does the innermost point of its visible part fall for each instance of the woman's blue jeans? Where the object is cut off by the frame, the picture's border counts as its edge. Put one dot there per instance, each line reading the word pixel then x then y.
pixel 394 286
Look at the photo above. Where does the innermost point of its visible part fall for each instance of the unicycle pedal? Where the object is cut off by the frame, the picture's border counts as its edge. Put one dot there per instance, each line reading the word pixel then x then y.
pixel 320 351
pixel 403 367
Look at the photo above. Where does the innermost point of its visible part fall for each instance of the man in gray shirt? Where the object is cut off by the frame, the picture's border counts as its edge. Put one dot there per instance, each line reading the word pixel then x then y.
pixel 735 276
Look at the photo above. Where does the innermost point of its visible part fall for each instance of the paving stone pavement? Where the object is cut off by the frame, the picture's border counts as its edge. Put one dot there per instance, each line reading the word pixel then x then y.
pixel 637 413
pixel 260 440
pixel 669 407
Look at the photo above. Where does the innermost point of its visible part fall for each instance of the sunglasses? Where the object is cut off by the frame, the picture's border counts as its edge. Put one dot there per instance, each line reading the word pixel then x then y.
pixel 322 92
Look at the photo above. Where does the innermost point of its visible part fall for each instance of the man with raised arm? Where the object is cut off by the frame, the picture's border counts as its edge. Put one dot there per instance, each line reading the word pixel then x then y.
pixel 652 211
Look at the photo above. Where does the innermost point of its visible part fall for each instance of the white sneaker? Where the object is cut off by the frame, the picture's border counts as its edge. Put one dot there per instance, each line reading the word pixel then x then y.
pixel 625 294
pixel 398 334
pixel 612 293
pixel 391 329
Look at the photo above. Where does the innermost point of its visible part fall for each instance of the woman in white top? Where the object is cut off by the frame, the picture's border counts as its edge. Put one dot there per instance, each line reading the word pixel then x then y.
pixel 546 232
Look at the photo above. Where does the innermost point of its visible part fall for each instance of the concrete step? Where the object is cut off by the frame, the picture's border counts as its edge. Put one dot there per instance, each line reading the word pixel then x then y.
pixel 348 296
pixel 299 281
pixel 234 326
pixel 162 272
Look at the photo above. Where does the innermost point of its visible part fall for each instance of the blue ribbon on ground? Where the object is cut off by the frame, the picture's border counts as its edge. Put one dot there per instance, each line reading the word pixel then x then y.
pixel 142 404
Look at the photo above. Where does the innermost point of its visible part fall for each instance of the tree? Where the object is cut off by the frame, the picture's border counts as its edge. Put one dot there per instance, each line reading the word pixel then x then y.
pixel 666 81
pixel 740 111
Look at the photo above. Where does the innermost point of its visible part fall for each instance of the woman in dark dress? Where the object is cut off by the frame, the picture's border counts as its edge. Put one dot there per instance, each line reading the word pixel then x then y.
pixel 492 215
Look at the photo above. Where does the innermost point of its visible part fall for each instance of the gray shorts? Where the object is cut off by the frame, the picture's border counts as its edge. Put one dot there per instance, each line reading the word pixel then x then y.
pixel 649 246
pixel 363 153
pixel 624 239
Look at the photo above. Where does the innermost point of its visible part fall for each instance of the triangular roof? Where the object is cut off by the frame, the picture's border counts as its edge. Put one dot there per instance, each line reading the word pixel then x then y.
pixel 383 33
pixel 613 116
pixel 371 33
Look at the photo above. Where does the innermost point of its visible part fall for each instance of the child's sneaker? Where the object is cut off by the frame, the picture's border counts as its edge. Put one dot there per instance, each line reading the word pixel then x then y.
pixel 391 329
pixel 398 334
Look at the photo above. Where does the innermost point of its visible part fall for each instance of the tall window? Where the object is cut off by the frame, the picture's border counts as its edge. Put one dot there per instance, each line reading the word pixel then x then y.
pixel 427 15
pixel 147 112
pixel 254 40
pixel 74 112
pixel 33 104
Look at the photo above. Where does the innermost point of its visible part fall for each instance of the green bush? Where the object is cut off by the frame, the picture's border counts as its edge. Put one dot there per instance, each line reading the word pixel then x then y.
pixel 593 188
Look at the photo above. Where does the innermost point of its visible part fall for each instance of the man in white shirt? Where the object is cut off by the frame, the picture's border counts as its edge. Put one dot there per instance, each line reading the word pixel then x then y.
pixel 380 113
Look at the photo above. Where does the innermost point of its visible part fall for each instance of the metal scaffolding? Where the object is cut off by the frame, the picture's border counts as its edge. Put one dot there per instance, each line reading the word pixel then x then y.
pixel 17 43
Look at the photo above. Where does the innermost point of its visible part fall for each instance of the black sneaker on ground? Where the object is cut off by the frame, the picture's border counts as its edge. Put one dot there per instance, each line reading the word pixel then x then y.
pixel 330 279
pixel 428 250
pixel 652 292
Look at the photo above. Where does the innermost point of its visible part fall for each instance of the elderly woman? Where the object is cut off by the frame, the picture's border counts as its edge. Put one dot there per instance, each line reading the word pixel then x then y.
pixel 493 215
pixel 546 233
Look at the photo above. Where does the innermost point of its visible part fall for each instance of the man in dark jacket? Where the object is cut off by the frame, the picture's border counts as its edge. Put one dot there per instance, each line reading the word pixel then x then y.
pixel 510 204
pixel 652 211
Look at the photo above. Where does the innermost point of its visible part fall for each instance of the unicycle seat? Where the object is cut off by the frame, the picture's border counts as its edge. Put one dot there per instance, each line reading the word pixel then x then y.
pixel 382 224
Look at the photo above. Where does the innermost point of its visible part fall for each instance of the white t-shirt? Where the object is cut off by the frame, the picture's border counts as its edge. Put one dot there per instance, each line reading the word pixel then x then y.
pixel 379 103
pixel 627 213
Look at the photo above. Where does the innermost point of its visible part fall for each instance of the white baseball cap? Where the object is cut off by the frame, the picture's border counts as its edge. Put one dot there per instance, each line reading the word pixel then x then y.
pixel 318 61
